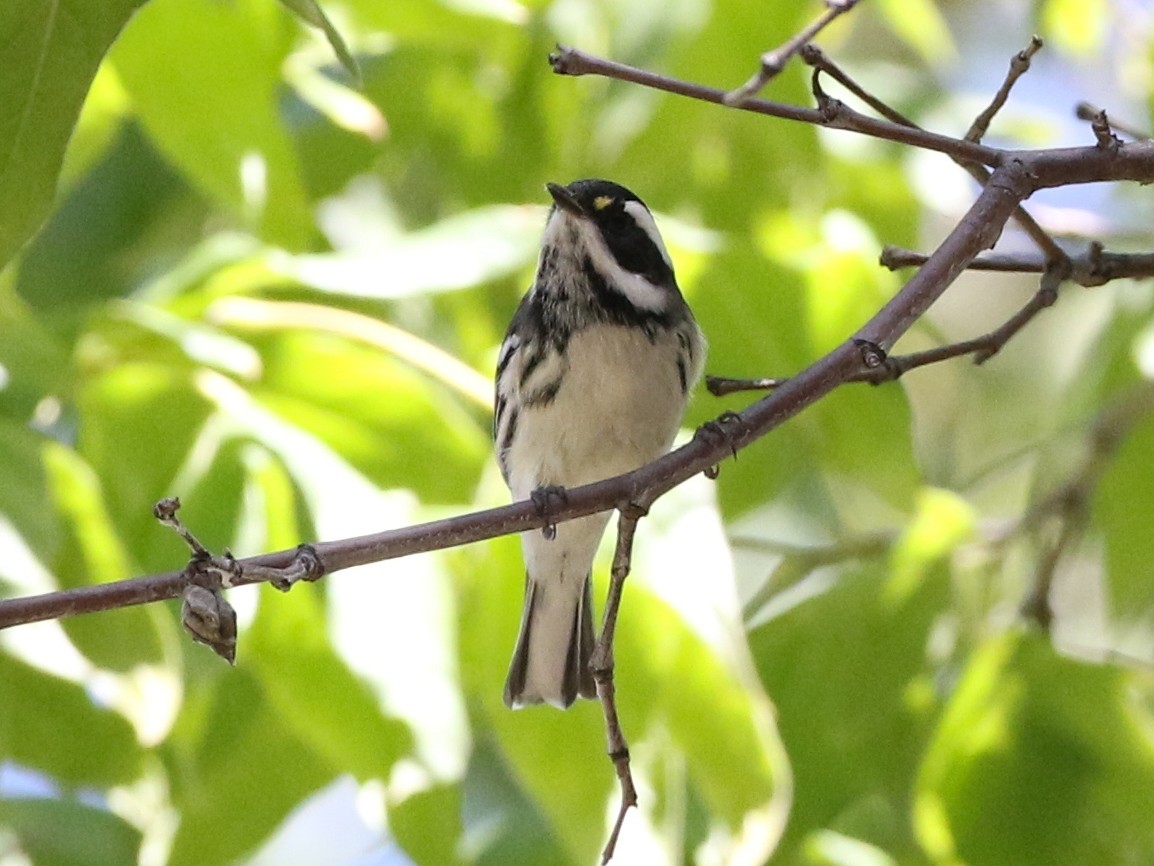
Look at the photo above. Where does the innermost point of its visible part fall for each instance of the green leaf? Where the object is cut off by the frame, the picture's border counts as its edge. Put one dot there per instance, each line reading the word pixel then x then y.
pixel 839 666
pixel 374 410
pixel 737 324
pixel 24 496
pixel 93 553
pixel 215 113
pixel 311 13
pixel 923 27
pixel 131 409
pixel 1076 26
pixel 37 363
pixel 90 249
pixel 41 718
pixel 446 26
pixel 678 702
pixel 237 771
pixel 458 252
pixel 1038 759
pixel 1123 504
pixel 94 836
pixel 428 826
pixel 539 745
pixel 51 52
pixel 313 691
pixel 668 676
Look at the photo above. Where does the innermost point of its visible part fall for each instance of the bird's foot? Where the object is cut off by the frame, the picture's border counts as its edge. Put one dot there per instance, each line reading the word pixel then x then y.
pixel 722 430
pixel 547 498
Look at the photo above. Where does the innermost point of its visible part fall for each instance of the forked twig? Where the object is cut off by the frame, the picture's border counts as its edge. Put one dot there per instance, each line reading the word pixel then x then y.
pixel 816 58
pixel 567 60
pixel 1070 503
pixel 1019 66
pixel 772 62
pixel 893 367
pixel 204 612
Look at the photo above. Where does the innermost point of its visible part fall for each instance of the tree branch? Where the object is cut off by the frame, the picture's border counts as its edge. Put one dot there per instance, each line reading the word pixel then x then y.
pixel 894 367
pixel 975 232
pixel 1016 176
pixel 570 61
pixel 816 58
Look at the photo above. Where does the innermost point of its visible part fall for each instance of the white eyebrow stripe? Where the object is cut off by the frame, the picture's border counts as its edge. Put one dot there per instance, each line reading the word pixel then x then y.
pixel 645 221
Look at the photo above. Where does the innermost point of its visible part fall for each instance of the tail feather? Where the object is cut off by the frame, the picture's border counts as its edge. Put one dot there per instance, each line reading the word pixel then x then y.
pixel 551 659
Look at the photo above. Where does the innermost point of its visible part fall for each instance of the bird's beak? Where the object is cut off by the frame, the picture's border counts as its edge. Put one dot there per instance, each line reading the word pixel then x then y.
pixel 565 199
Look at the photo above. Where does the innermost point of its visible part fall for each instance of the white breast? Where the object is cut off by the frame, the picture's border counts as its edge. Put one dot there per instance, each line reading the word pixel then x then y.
pixel 619 407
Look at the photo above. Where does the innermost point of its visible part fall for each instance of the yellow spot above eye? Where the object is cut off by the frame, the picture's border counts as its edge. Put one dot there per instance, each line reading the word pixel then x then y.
pixel 602 202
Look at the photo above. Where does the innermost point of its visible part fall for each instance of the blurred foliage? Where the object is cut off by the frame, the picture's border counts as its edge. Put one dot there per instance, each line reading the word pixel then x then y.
pixel 260 255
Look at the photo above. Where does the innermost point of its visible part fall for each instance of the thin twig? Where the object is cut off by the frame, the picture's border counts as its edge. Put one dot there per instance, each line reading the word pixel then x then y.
pixel 165 512
pixel 571 61
pixel 719 386
pixel 601 664
pixel 1070 503
pixel 1103 134
pixel 816 58
pixel 1094 267
pixel 895 258
pixel 797 561
pixel 772 62
pixel 1019 66
pixel 982 348
pixel 1051 167
pixel 893 367
pixel 1087 111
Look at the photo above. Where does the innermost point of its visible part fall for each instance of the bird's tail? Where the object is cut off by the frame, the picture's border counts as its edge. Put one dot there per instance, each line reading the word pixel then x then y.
pixel 551 660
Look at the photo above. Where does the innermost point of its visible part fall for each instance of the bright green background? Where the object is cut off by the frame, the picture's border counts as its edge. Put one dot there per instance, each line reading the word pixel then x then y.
pixel 242 273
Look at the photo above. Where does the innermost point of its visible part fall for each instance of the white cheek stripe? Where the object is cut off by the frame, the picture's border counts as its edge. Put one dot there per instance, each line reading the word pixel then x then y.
pixel 641 293
pixel 646 223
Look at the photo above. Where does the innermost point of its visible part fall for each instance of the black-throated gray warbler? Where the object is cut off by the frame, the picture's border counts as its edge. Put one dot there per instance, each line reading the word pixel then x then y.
pixel 592 381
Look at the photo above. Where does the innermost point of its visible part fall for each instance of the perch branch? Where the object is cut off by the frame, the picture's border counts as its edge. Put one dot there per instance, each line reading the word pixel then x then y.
pixel 1016 176
pixel 975 232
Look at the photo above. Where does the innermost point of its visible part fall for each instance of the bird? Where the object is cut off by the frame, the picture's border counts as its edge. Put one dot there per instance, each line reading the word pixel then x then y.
pixel 592 381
